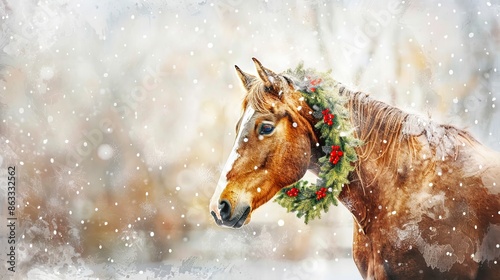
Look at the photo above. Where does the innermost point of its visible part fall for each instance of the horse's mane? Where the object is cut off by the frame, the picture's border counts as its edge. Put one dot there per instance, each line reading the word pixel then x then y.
pixel 386 129
pixel 375 122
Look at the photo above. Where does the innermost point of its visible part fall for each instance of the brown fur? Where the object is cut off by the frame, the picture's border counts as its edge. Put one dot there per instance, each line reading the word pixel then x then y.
pixel 425 197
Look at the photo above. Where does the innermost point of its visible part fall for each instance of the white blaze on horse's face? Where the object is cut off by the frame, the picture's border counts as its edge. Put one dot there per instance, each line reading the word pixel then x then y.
pixel 215 203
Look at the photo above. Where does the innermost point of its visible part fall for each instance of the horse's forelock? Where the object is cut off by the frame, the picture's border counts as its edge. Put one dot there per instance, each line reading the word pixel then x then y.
pixel 262 99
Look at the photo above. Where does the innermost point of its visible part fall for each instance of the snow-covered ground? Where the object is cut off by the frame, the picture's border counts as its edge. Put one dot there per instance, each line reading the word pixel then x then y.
pixel 118 116
pixel 198 268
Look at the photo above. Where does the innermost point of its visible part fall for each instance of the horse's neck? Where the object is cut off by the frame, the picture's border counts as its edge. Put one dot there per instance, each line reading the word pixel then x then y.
pixel 380 127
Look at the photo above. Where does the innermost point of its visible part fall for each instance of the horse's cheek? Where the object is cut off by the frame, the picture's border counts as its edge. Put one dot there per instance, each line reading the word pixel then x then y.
pixel 297 162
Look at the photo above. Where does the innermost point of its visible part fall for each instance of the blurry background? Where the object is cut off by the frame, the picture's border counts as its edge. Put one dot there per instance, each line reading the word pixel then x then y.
pixel 119 116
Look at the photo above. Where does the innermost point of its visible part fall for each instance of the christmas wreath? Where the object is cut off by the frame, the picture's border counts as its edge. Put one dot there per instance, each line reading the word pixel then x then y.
pixel 321 92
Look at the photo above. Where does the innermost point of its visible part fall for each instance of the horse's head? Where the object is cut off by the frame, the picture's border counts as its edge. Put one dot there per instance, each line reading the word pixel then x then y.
pixel 272 148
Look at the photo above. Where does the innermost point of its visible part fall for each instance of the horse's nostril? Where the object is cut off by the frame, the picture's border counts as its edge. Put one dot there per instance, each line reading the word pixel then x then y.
pixel 225 210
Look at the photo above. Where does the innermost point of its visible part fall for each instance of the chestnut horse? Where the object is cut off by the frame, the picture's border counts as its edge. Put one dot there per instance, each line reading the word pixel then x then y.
pixel 425 197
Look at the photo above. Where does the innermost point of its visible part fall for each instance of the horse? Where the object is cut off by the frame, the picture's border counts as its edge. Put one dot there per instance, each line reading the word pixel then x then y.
pixel 425 197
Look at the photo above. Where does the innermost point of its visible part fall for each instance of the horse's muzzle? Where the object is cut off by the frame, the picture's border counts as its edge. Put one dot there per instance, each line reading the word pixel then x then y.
pixel 238 219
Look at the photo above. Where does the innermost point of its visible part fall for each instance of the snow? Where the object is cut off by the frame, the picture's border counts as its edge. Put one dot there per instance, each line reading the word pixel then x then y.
pixel 120 116
pixel 196 268
pixel 438 137
pixel 105 152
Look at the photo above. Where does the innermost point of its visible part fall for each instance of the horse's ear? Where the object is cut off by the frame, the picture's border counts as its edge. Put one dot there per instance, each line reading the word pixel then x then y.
pixel 266 75
pixel 246 79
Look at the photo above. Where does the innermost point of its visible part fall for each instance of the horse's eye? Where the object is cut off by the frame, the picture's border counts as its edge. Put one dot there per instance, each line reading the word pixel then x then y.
pixel 266 129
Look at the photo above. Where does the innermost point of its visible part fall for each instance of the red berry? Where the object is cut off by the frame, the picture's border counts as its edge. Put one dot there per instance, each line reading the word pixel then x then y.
pixel 321 193
pixel 336 154
pixel 327 116
pixel 315 82
pixel 292 192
